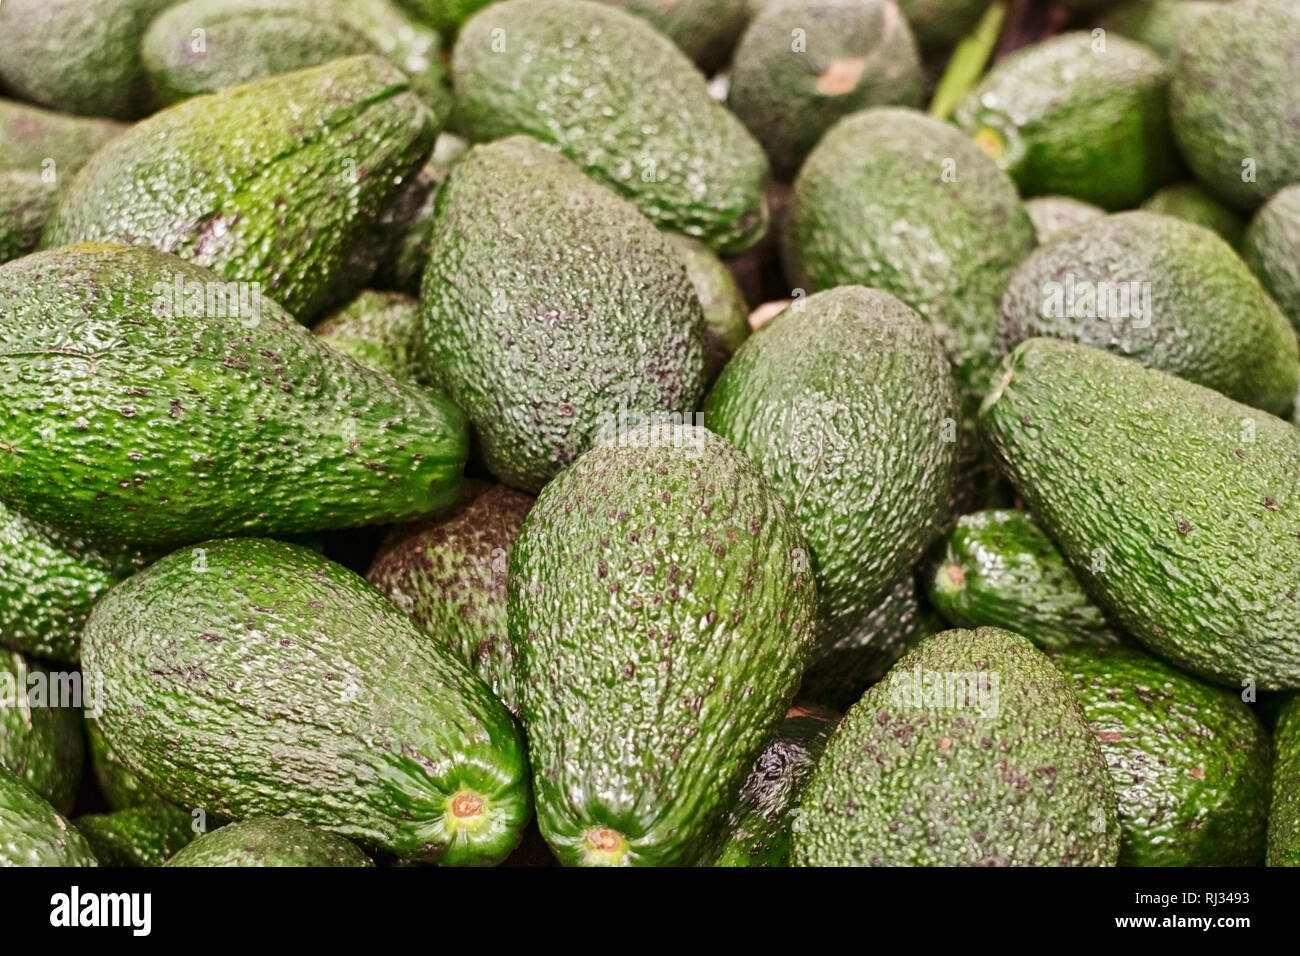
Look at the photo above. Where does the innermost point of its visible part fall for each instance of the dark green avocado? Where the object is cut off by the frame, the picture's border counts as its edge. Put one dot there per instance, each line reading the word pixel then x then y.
pixel 270 841
pixel 1284 811
pixel 33 833
pixel 40 728
pixel 1192 202
pixel 378 329
pixel 26 201
pixel 147 835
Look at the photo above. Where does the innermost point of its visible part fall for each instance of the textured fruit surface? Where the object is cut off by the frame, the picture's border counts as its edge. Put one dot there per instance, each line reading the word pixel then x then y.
pixel 147 835
pixel 1272 250
pixel 121 789
pixel 1055 215
pixel 33 139
pixel 1192 202
pixel 274 682
pixel 1284 812
pixel 33 833
pixel 1158 24
pixel 663 623
pixel 705 30
pixel 40 728
pixel 26 200
pixel 379 330
pixel 270 841
pixel 971 752
pixel 726 314
pixel 1175 506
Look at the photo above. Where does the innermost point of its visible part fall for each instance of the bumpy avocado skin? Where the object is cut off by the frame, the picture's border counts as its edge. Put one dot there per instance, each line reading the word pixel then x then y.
pixel 357 723
pixel 851 54
pixel 35 140
pixel 270 841
pixel 449 575
pixel 120 787
pixel 276 182
pixel 1271 248
pixel 33 833
pixel 1190 763
pixel 542 286
pixel 1233 101
pixel 147 835
pixel 705 30
pixel 1053 216
pixel 1194 561
pixel 971 752
pixel 726 314
pixel 142 424
pixel 40 732
pixel 894 200
pixel 1284 812
pixel 1192 202
pixel 941 23
pixel 1182 302
pixel 26 201
pixel 1070 116
pixel 1158 24
pixel 841 403
pixel 378 329
pixel 645 126
pixel 657 596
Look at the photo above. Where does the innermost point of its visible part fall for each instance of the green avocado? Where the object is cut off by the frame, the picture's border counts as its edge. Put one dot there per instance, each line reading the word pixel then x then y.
pixel 378 329
pixel 355 722
pixel 542 286
pixel 26 201
pixel 445 16
pixel 147 835
pixel 40 730
pixel 33 833
pixel 1164 292
pixel 1271 248
pixel 644 123
pixel 1053 216
pixel 658 598
pixel 1175 506
pixel 705 30
pixel 1190 763
pixel 318 156
pixel 803 64
pixel 1284 811
pixel 941 23
pixel 270 841
pixel 998 569
pixel 726 314
pixel 1158 24
pixel 449 575
pixel 39 141
pixel 140 413
pixel 971 752
pixel 120 787
pixel 1192 202
pixel 1077 115
pixel 403 266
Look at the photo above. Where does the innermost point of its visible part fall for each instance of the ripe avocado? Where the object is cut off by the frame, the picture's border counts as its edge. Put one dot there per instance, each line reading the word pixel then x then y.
pixel 270 841
pixel 1284 812
pixel 705 30
pixel 33 833
pixel 1271 248
pixel 378 329
pixel 1174 505
pixel 449 575
pixel 1190 763
pixel 355 721
pixel 40 737
pixel 998 569
pixel 803 64
pixel 1164 292
pixel 847 406
pixel 36 140
pixel 726 314
pixel 1077 115
pixel 1190 201
pixel 656 595
pixel 644 124
pixel 26 201
pixel 971 752
pixel 941 23
pixel 146 835
pixel 542 287
pixel 150 425
pixel 289 211
pixel 1233 101
pixel 1055 215
pixel 1158 24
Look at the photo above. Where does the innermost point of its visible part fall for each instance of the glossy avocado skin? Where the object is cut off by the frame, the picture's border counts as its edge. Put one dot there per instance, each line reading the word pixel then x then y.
pixel 840 402
pixel 147 835
pixel 270 841
pixel 1271 248
pixel 358 723
pixel 33 833
pixel 1284 812
pixel 649 130
pixel 328 149
pixel 40 738
pixel 998 569
pixel 1184 303
pixel 31 136
pixel 1190 763
pixel 1009 776
pixel 378 329
pixel 1219 599
pixel 1192 202
pixel 705 30
pixel 127 426
pixel 664 625
pixel 543 290
pixel 26 201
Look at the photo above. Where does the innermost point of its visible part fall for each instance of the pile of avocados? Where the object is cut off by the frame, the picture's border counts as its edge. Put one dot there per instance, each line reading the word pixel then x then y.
pixel 631 433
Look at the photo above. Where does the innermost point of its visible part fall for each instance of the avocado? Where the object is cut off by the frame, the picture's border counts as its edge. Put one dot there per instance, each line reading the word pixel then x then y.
pixel 270 841
pixel 1158 24
pixel 40 732
pixel 897 201
pixel 449 575
pixel 1164 292
pixel 1077 115
pixel 77 56
pixel 1190 763
pixel 971 752
pixel 705 30
pixel 36 140
pixel 759 826
pixel 1271 247
pixel 803 64
pixel 403 267
pixel 378 329
pixel 1233 103
pixel 659 597
pixel 1055 215
pixel 147 835
pixel 542 286
pixel 1173 504
pixel 33 833
pixel 941 23
pixel 998 569
pixel 165 420
pixel 26 200
pixel 356 722
pixel 328 150
pixel 726 314
pixel 1190 201
pixel 120 787
pixel 644 123
pixel 445 16
pixel 847 406
pixel 1284 812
